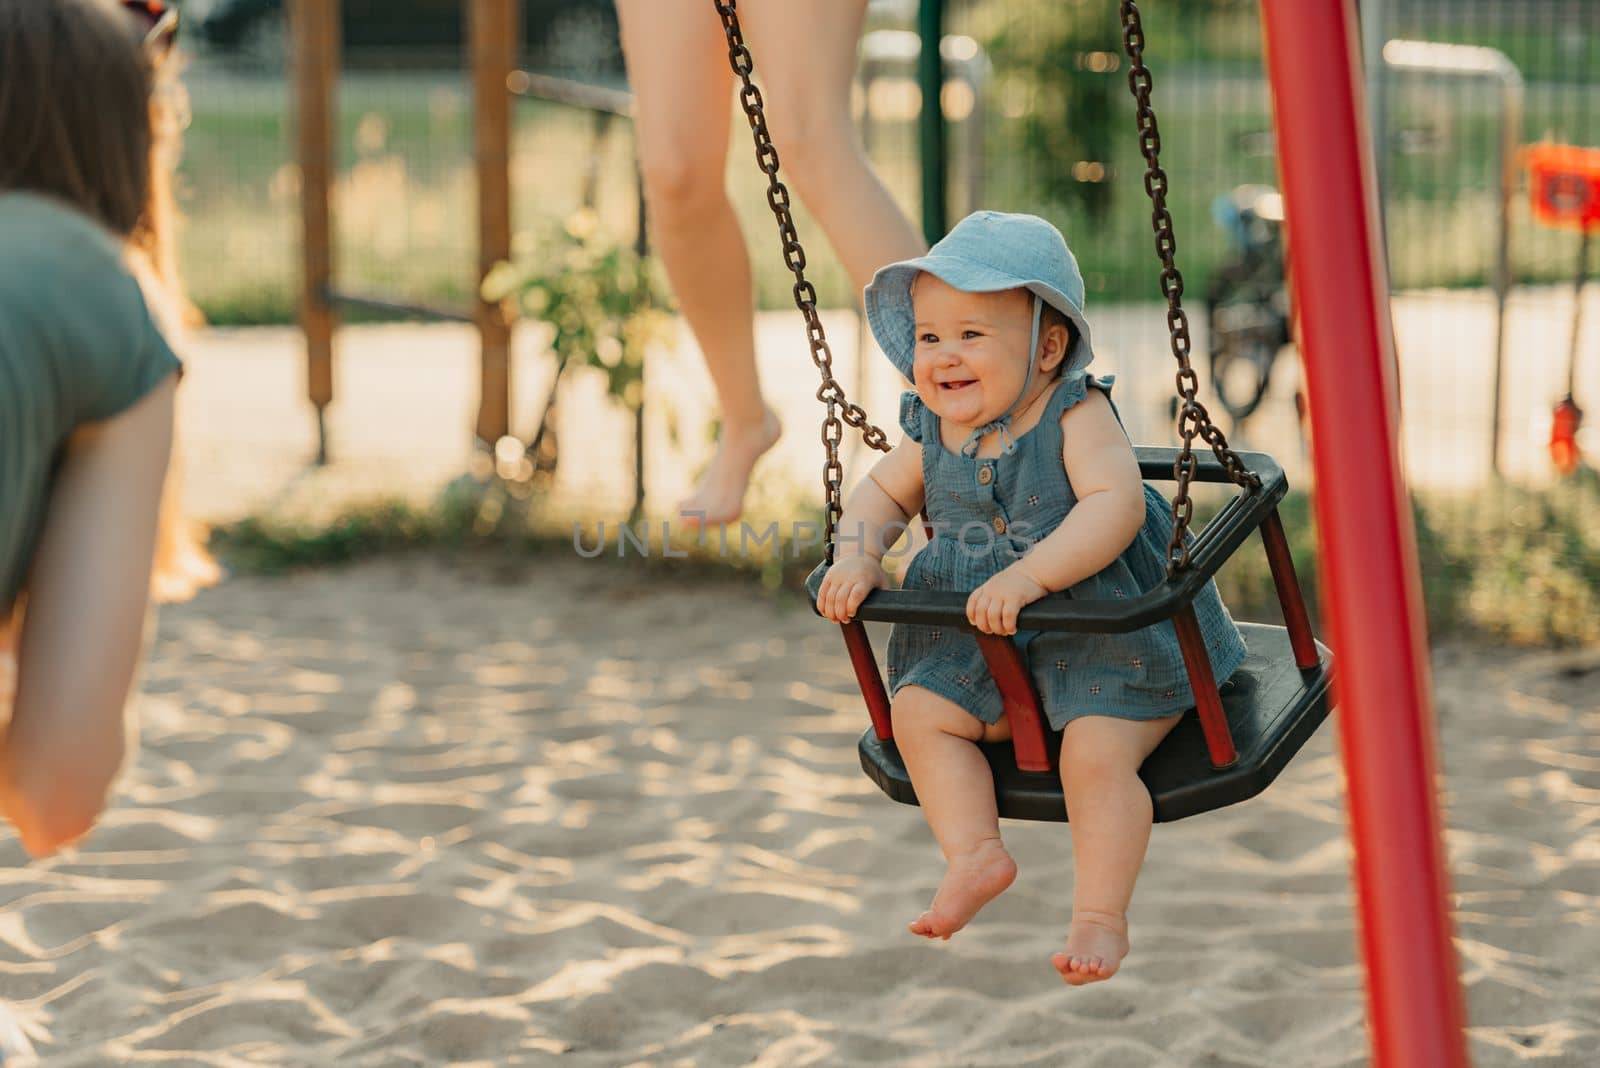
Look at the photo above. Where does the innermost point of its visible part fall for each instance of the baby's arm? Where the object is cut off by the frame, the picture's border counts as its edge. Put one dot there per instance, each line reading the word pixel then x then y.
pixel 874 519
pixel 1105 478
pixel 1110 511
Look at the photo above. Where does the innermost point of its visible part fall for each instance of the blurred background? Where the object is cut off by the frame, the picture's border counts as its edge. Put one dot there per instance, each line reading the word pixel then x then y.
pixel 1039 118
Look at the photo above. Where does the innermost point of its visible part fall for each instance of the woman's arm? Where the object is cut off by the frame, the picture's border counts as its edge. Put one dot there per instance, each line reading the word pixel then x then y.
pixel 88 590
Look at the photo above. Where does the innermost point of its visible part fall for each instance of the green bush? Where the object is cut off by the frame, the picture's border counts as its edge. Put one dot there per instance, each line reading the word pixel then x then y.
pixel 604 305
pixel 1524 565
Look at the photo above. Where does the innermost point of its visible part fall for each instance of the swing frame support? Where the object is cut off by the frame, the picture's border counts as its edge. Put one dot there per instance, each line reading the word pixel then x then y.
pixel 1368 545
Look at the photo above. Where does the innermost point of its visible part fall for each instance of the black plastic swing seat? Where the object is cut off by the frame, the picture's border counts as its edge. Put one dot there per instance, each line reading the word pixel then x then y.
pixel 1271 704
pixel 1273 707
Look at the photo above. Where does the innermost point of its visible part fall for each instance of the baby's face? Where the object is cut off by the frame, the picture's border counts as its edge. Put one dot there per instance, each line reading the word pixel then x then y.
pixel 972 350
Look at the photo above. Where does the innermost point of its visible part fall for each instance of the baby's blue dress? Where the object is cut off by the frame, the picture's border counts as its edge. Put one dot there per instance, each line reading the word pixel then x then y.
pixel 985 513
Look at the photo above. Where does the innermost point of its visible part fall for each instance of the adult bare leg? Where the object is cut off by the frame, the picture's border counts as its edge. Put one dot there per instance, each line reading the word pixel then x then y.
pixel 678 66
pixel 806 57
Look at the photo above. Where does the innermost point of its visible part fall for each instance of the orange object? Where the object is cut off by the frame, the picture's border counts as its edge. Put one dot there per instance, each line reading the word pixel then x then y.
pixel 1564 182
pixel 1564 424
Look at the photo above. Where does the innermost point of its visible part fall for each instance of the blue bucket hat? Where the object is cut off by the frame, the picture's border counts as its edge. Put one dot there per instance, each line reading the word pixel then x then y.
pixel 987 252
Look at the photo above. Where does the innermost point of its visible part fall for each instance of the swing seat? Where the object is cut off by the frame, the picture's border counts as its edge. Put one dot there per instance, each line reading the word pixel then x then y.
pixel 1272 706
pixel 1245 728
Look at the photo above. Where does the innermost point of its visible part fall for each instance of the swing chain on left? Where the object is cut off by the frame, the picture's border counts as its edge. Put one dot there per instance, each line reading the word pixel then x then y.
pixel 805 295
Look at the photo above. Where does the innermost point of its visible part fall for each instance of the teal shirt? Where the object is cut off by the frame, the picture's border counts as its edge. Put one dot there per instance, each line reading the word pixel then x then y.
pixel 77 345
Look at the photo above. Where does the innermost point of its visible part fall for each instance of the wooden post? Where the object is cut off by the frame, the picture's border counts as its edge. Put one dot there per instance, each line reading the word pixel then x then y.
pixel 314 26
pixel 494 31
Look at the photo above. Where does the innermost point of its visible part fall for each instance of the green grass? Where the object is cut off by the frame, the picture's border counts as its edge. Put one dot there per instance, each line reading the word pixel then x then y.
pixel 404 199
pixel 1518 564
pixel 404 203
pixel 1543 53
pixel 472 515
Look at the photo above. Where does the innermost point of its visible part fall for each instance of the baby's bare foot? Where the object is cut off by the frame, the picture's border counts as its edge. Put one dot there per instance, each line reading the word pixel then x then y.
pixel 719 498
pixel 1095 947
pixel 971 881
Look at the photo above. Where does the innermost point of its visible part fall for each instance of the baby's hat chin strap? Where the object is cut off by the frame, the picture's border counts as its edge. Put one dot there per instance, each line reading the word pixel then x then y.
pixel 1008 444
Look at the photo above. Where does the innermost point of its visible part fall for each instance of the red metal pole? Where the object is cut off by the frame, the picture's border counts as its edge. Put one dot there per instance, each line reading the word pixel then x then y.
pixel 1207 699
pixel 1295 617
pixel 867 676
pixel 1027 723
pixel 1368 556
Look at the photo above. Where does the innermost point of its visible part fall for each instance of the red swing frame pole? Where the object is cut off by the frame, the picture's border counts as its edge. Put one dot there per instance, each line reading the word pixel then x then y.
pixel 1368 554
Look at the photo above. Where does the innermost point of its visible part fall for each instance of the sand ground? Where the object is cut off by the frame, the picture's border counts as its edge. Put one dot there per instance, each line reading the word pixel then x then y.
pixel 479 812
pixel 485 812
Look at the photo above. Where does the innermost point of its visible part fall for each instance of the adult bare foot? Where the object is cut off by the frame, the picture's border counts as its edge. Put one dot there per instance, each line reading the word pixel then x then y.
pixel 971 881
pixel 719 498
pixel 1095 947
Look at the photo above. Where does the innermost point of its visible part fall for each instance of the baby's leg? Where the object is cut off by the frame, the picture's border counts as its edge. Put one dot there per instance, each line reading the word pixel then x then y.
pixel 1110 812
pixel 938 741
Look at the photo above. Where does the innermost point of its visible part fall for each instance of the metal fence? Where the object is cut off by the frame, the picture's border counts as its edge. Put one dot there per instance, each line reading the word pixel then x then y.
pixel 1041 120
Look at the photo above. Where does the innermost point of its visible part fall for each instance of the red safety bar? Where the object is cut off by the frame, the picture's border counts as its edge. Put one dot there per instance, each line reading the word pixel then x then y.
pixel 1207 701
pixel 867 676
pixel 1295 617
pixel 1021 702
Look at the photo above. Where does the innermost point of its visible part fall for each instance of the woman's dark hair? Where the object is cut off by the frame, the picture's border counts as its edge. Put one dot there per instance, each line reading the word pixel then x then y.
pixel 75 107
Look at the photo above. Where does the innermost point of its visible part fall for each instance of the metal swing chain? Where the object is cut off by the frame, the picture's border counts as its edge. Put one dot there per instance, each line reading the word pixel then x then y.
pixel 1193 418
pixel 840 410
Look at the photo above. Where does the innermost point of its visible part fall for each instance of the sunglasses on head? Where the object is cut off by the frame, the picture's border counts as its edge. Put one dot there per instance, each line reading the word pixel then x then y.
pixel 159 19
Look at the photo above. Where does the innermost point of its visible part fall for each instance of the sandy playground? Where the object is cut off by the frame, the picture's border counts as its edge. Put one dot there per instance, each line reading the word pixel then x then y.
pixel 492 812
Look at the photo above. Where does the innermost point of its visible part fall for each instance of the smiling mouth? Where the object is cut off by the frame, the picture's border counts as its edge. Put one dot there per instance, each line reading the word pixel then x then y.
pixel 952 387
